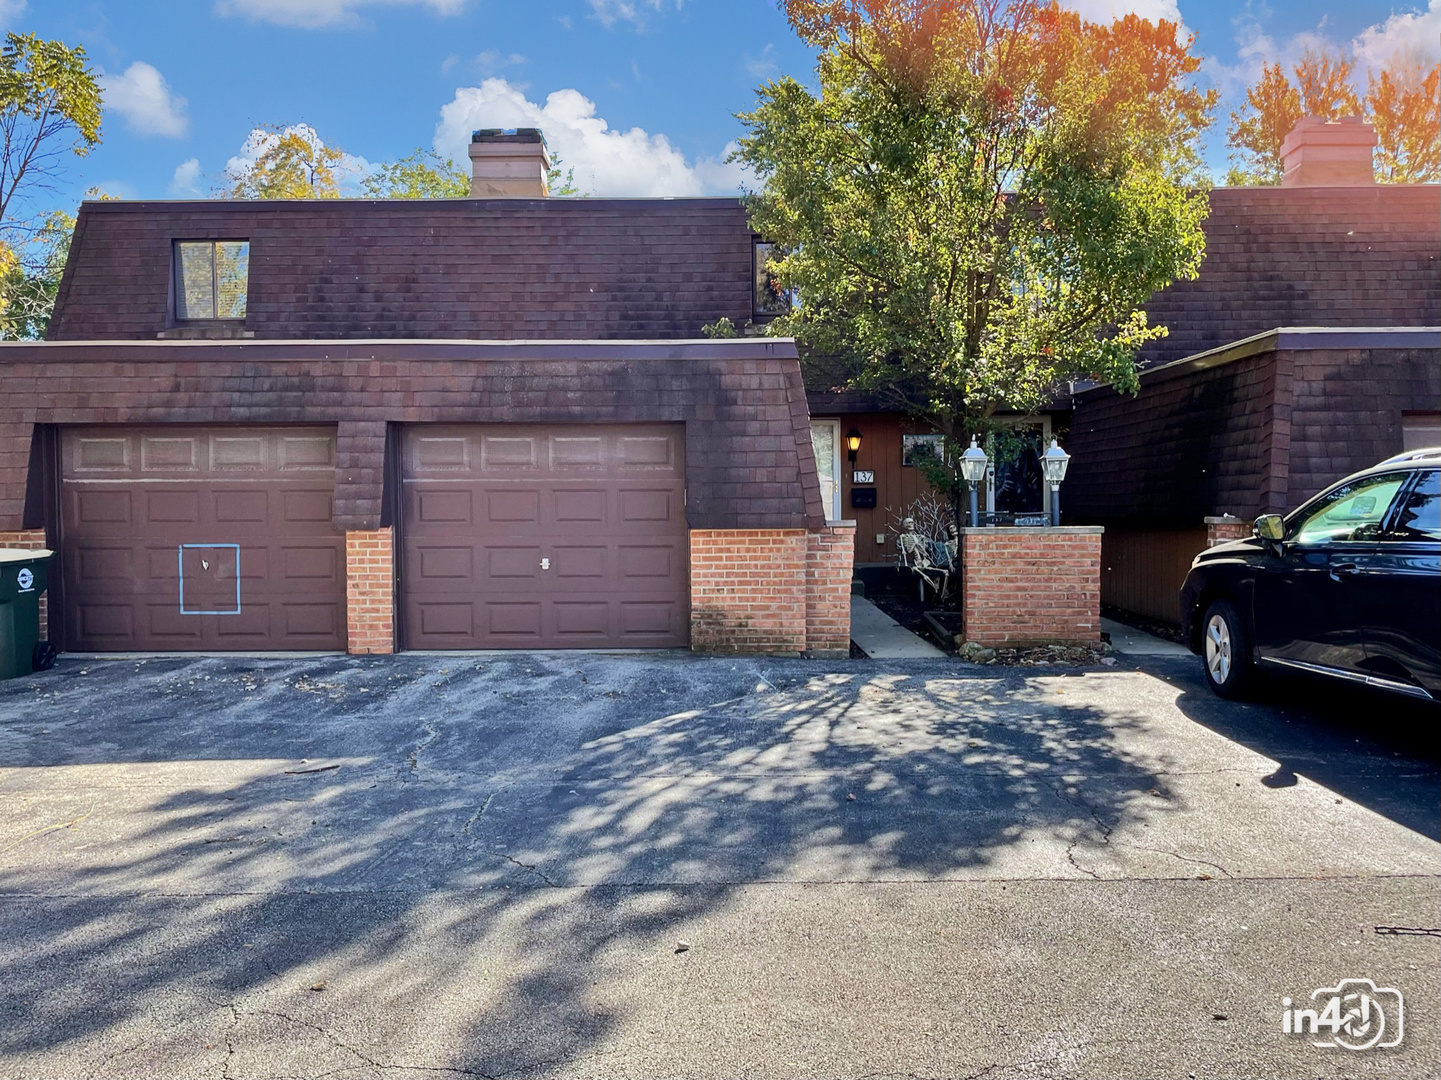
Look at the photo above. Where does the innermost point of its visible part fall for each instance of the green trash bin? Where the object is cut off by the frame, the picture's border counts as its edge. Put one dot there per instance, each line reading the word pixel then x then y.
pixel 23 577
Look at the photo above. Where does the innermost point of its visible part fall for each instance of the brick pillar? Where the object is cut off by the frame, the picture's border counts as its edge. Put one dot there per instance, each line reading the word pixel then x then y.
pixel 1223 528
pixel 370 591
pixel 830 564
pixel 748 590
pixel 1022 587
pixel 32 540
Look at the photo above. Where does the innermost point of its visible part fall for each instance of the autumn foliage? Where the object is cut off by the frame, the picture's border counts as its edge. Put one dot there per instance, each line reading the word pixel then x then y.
pixel 981 198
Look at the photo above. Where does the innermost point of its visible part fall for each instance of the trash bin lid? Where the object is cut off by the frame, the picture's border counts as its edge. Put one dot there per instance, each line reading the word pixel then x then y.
pixel 9 555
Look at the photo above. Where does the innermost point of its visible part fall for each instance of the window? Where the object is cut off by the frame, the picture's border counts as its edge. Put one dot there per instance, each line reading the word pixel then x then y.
pixel 211 279
pixel 770 298
pixel 1351 512
pixel 1419 516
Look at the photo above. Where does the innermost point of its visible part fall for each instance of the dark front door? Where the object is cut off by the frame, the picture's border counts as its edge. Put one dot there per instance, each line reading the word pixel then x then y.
pixel 1310 597
pixel 545 536
pixel 200 538
pixel 1403 622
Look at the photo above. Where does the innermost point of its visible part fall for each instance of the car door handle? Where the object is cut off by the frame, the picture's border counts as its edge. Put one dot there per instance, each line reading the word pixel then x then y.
pixel 1344 570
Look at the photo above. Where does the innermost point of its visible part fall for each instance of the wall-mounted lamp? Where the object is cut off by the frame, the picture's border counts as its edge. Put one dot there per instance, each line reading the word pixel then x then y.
pixel 1054 462
pixel 973 470
pixel 853 443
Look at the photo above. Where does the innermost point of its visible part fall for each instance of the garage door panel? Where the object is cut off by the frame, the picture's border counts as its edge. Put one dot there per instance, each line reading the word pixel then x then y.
pixel 170 506
pixel 201 538
pixel 170 453
pixel 241 506
pixel 603 504
pixel 104 506
pixel 443 563
pixel 512 507
pixel 442 507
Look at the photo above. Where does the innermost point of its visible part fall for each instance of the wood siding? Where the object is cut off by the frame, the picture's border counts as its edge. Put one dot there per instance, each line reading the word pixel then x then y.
pixel 1142 570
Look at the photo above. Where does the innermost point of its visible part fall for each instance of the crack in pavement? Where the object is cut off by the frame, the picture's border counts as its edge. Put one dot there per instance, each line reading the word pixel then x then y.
pixel 532 869
pixel 413 759
pixel 475 818
pixel 1082 804
pixel 1183 858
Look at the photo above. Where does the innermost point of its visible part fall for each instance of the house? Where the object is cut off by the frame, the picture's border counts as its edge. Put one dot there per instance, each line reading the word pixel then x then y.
pixel 448 424
pixel 1307 348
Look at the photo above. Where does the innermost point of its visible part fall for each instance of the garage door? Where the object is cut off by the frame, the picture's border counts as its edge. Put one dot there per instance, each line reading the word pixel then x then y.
pixel 545 537
pixel 200 538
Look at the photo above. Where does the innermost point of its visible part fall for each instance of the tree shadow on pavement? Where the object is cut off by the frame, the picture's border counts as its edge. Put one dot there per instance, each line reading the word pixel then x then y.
pixel 445 862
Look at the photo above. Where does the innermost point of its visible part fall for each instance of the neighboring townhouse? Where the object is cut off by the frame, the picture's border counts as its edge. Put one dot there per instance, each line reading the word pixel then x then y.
pixel 444 424
pixel 1310 346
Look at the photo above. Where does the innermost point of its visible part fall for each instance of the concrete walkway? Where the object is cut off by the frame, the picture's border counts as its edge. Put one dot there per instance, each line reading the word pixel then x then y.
pixel 882 637
pixel 1133 642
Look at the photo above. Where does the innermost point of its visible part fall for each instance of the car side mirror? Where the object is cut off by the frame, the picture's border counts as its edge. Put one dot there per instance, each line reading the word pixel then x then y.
pixel 1270 527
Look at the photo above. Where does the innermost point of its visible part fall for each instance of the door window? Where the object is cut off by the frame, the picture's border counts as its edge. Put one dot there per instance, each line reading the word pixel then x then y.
pixel 1419 515
pixel 825 441
pixel 1352 512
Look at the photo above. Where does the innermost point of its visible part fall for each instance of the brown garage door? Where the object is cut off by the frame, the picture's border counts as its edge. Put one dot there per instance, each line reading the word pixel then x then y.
pixel 545 537
pixel 201 538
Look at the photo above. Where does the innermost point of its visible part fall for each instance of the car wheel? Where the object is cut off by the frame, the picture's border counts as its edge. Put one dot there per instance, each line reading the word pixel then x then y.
pixel 1226 650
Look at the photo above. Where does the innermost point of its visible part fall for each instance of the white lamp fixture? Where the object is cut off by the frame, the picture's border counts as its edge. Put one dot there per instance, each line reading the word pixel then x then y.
pixel 1054 461
pixel 973 469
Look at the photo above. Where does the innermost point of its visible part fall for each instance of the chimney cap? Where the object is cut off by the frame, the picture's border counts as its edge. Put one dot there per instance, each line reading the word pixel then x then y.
pixel 511 135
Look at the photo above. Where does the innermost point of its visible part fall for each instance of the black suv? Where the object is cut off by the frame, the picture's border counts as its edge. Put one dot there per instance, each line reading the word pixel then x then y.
pixel 1348 586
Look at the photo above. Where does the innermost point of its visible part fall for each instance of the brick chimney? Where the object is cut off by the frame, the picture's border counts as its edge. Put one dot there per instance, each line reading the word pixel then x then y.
pixel 508 163
pixel 1328 153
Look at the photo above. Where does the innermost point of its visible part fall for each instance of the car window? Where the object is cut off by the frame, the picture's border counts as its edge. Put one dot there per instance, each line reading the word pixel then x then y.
pixel 1353 511
pixel 1419 515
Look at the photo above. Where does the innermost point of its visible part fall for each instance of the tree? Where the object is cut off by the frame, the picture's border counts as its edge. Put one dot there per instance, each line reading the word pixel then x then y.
pixel 1271 110
pixel 1274 105
pixel 557 187
pixel 289 163
pixel 1404 108
pixel 30 278
pixel 423 174
pixel 980 199
pixel 49 107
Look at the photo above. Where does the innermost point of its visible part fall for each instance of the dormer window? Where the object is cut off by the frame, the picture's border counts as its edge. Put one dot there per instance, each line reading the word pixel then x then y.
pixel 212 278
pixel 769 298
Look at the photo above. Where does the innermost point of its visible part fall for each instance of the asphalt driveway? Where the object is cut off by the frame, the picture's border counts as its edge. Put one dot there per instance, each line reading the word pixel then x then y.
pixel 625 866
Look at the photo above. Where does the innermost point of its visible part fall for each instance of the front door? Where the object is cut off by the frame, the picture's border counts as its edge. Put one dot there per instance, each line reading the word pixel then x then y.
pixel 1310 596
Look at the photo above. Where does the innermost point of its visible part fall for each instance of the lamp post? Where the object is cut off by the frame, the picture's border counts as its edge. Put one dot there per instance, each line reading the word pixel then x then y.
pixel 973 469
pixel 1054 462
pixel 853 443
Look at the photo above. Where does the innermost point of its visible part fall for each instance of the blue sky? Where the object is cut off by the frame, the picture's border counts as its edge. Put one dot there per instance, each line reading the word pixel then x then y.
pixel 638 95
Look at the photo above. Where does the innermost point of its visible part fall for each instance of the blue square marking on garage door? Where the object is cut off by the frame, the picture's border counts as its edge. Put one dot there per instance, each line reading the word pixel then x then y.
pixel 180 559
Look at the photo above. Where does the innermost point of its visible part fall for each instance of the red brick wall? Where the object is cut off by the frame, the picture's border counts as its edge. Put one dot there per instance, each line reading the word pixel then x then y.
pixel 31 540
pixel 370 591
pixel 748 590
pixel 1031 586
pixel 1221 529
pixel 829 557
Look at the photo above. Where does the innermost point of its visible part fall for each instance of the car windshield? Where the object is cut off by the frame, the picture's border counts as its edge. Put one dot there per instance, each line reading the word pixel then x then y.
pixel 1353 511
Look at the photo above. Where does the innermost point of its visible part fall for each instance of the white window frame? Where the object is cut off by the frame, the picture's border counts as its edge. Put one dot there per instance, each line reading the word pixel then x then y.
pixel 833 511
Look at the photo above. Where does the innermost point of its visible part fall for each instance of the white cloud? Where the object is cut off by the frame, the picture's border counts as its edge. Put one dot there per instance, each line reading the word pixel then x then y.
pixel 1105 11
pixel 186 180
pixel 610 12
pixel 143 97
pixel 763 66
pixel 10 10
pixel 309 14
pixel 606 161
pixel 351 169
pixel 492 60
pixel 1415 33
